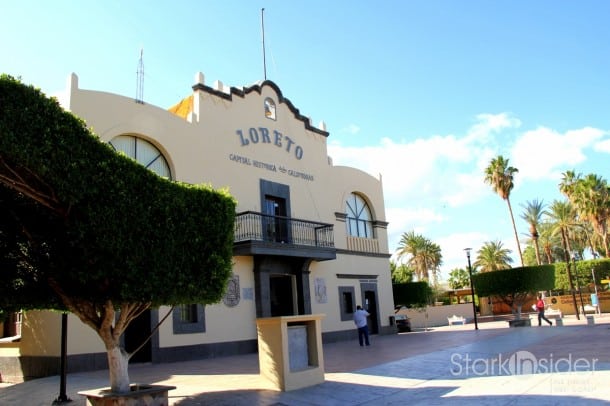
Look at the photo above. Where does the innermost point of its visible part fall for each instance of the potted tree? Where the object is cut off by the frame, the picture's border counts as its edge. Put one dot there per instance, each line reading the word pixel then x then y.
pixel 87 230
pixel 515 286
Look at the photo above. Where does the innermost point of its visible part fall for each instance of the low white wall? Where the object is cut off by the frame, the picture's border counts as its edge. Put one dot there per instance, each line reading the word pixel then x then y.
pixel 432 316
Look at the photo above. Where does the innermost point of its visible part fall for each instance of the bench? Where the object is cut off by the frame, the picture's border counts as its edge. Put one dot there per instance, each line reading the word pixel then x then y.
pixel 456 320
pixel 590 309
pixel 553 313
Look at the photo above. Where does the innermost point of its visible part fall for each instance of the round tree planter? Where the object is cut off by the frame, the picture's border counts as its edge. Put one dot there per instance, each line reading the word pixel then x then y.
pixel 139 395
pixel 527 322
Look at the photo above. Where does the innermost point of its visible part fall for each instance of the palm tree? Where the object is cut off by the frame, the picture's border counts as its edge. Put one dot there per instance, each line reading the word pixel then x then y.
pixel 458 278
pixel 500 176
pixel 424 255
pixel 493 256
pixel 533 216
pixel 585 237
pixel 563 222
pixel 590 196
pixel 563 218
pixel 550 243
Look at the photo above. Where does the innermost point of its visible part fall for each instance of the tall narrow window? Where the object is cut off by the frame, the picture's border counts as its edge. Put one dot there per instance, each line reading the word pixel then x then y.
pixel 346 302
pixel 358 219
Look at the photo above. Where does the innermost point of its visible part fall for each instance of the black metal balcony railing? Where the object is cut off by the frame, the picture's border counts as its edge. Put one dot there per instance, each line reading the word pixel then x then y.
pixel 253 226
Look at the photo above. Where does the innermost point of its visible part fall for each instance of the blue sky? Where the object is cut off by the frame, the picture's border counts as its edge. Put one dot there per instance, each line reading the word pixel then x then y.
pixel 424 93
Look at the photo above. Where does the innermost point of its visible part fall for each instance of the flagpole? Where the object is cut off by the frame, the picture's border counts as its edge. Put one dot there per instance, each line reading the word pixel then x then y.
pixel 263 33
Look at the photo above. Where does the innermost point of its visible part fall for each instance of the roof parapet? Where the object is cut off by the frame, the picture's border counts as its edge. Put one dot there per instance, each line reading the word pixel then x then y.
pixel 199 78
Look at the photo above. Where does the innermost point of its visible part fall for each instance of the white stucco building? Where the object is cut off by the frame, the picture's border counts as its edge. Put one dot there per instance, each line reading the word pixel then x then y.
pixel 310 237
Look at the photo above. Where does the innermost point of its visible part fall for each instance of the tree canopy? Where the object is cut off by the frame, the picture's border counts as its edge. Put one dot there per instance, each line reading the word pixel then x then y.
pixel 458 278
pixel 515 285
pixel 84 228
pixel 493 256
pixel 423 255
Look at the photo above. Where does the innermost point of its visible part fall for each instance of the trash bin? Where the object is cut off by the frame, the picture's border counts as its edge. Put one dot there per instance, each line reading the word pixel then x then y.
pixel 590 320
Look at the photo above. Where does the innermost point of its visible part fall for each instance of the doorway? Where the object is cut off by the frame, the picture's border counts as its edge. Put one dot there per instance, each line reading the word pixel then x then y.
pixel 370 304
pixel 138 331
pixel 276 222
pixel 282 289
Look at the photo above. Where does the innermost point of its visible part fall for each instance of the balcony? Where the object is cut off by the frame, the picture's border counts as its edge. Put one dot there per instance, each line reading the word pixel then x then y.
pixel 263 234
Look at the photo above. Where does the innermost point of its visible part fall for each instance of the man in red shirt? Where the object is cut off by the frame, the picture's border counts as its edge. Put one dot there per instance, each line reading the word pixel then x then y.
pixel 540 308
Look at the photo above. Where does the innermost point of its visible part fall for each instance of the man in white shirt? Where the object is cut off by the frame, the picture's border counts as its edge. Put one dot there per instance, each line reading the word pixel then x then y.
pixel 363 328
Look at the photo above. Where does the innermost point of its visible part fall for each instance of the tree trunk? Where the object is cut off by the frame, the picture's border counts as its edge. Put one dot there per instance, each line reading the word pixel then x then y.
pixel 537 249
pixel 118 361
pixel 102 319
pixel 512 218
pixel 566 253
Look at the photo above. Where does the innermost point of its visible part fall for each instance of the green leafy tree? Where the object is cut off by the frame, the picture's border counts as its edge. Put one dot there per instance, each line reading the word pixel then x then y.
pixel 493 256
pixel 585 237
pixel 500 176
pixel 550 242
pixel 590 197
pixel 85 229
pixel 401 273
pixel 459 278
pixel 423 255
pixel 529 256
pixel 532 214
pixel 563 218
pixel 515 286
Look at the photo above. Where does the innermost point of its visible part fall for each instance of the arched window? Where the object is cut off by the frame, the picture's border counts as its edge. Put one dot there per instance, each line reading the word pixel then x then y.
pixel 359 221
pixel 270 108
pixel 142 152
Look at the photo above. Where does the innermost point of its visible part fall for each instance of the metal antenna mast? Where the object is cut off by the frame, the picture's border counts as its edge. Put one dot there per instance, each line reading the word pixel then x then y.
pixel 263 32
pixel 140 79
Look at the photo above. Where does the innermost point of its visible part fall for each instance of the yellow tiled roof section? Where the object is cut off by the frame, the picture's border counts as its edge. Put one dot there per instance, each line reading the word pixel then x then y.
pixel 183 108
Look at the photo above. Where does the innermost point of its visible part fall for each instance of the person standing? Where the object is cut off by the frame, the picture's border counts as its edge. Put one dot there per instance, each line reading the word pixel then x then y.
pixel 361 323
pixel 540 308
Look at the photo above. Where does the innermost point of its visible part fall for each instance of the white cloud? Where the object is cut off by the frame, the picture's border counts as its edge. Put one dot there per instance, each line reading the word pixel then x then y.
pixel 453 245
pixel 544 153
pixel 351 129
pixel 435 185
pixel 602 146
pixel 489 124
pixel 407 218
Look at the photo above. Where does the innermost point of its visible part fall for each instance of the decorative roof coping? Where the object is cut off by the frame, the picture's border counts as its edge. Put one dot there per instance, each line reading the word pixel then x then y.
pixel 189 108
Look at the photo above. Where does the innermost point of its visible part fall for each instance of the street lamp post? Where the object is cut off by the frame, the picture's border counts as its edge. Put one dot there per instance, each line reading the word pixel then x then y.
pixel 582 304
pixel 598 311
pixel 474 308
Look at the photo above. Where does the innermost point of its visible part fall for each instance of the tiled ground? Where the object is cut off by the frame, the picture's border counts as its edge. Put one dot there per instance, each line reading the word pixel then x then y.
pixel 444 365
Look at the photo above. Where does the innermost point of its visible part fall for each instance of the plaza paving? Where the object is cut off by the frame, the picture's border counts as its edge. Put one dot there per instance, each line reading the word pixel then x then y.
pixel 494 365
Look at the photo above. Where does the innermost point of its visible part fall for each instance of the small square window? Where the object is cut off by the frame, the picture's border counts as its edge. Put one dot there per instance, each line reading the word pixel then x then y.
pixel 188 319
pixel 188 313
